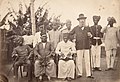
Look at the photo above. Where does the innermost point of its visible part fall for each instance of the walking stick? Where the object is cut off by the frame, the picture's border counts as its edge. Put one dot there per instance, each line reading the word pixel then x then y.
pixel 12 66
pixel 75 55
pixel 90 58
pixel 90 63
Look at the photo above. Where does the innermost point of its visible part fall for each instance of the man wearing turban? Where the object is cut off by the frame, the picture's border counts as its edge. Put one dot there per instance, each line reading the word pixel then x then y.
pixel 96 42
pixel 111 41
pixel 22 54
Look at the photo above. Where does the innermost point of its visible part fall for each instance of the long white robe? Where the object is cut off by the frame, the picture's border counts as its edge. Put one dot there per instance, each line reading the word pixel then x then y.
pixel 111 41
pixel 54 37
pixel 66 68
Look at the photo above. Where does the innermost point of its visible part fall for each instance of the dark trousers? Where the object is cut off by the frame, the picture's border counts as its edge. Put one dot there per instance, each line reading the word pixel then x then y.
pixel 28 65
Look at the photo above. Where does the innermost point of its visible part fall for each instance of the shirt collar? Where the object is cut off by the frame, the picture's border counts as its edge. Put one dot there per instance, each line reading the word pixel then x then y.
pixel 82 28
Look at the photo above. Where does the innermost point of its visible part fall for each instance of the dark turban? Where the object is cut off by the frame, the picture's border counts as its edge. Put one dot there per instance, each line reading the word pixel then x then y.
pixel 96 18
pixel 111 19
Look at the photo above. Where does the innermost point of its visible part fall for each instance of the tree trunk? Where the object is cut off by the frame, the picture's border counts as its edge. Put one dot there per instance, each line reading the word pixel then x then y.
pixel 33 17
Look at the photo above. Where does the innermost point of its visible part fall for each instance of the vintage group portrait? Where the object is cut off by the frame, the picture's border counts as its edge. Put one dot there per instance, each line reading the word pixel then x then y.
pixel 59 40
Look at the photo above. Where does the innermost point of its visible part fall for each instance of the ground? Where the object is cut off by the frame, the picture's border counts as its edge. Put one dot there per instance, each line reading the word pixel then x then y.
pixel 99 76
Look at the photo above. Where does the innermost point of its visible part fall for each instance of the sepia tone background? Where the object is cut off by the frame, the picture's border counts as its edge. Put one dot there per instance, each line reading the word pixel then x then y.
pixel 70 9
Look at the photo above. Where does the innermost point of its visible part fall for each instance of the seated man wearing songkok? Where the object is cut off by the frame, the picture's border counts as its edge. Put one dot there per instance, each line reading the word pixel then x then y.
pixel 44 63
pixel 66 66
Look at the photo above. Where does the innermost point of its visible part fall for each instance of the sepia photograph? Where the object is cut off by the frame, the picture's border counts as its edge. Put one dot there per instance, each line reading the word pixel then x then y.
pixel 59 40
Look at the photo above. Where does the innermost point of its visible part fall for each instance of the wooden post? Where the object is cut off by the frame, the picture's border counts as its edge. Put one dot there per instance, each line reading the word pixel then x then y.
pixel 33 17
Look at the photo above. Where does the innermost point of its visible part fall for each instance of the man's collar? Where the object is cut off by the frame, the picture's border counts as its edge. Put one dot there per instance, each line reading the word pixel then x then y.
pixel 65 42
pixel 82 28
pixel 55 29
pixel 44 42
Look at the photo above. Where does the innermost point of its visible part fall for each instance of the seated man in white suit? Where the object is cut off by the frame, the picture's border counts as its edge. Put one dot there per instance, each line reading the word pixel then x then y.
pixel 66 66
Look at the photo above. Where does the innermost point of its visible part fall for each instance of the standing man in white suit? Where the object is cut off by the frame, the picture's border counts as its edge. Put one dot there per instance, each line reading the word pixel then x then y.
pixel 82 43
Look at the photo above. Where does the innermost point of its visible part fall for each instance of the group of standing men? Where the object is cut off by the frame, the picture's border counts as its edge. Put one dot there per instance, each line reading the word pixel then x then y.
pixel 80 42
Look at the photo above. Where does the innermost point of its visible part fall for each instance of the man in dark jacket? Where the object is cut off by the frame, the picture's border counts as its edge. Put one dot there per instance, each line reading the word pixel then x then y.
pixel 83 35
pixel 96 42
pixel 22 54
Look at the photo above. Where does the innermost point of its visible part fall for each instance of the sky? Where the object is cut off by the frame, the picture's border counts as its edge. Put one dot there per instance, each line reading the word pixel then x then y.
pixel 70 9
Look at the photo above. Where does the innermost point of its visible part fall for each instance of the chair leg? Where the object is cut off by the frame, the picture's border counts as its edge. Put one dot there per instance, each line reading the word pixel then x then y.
pixel 75 69
pixel 21 71
pixel 57 60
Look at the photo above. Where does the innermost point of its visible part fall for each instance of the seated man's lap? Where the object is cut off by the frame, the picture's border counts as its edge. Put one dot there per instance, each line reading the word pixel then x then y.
pixel 66 64
pixel 51 68
pixel 28 62
pixel 71 62
pixel 51 61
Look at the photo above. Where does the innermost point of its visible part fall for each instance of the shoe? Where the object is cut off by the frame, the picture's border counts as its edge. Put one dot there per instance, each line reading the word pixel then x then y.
pixel 69 78
pixel 64 79
pixel 93 69
pixel 79 76
pixel 99 69
pixel 29 80
pixel 49 78
pixel 90 77
pixel 40 78
pixel 112 69
pixel 15 79
pixel 108 69
pixel 14 76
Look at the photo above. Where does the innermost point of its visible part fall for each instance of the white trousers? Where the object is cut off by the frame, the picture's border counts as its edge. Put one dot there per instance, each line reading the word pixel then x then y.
pixel 110 57
pixel 95 56
pixel 79 61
